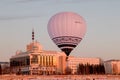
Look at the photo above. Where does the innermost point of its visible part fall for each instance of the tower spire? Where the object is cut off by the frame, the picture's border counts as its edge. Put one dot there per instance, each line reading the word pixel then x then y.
pixel 32 34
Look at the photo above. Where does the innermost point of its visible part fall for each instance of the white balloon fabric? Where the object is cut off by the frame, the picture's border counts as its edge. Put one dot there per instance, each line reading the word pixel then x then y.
pixel 66 29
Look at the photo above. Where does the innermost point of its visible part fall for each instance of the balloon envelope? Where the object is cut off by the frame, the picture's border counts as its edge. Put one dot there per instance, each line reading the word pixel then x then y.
pixel 66 29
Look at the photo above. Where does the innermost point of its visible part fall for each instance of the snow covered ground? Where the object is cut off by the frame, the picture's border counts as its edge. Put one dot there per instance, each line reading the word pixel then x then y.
pixel 60 77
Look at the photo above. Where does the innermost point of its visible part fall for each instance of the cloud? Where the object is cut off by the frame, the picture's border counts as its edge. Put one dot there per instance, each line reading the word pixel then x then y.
pixel 72 1
pixel 64 1
pixel 19 1
pixel 26 1
pixel 56 1
pixel 16 17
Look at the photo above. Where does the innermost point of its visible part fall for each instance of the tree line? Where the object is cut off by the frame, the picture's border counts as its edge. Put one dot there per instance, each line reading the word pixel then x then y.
pixel 0 69
pixel 86 69
pixel 82 69
pixel 90 69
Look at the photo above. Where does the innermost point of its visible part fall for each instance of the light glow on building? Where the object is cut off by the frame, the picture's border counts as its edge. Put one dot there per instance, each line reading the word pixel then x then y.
pixel 73 62
pixel 36 61
pixel 112 66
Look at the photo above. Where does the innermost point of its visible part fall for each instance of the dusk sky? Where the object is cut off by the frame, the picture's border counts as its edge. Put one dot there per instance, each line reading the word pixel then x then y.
pixel 19 17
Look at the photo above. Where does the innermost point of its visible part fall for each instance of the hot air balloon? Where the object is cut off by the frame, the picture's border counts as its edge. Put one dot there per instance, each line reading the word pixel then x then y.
pixel 66 29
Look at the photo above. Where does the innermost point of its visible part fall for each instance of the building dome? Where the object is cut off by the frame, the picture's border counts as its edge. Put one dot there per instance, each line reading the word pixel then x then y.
pixel 34 46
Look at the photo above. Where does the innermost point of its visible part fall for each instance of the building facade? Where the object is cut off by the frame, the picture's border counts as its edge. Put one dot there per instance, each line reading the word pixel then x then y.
pixel 38 61
pixel 4 67
pixel 112 67
pixel 73 62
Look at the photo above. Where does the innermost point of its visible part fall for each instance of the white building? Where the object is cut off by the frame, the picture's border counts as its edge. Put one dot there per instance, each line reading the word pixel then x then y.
pixel 4 67
pixel 73 62
pixel 35 60
pixel 38 61
pixel 112 67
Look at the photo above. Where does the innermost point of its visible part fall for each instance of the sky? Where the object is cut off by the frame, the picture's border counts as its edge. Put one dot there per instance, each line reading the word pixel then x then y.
pixel 19 17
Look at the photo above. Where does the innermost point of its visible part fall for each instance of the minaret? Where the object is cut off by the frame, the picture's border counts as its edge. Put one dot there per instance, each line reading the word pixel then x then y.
pixel 33 35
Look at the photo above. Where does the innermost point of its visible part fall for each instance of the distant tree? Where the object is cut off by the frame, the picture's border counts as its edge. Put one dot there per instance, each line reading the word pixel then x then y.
pixel 68 71
pixel 102 69
pixel 87 69
pixel 90 69
pixel 0 69
pixel 79 69
pixel 6 69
